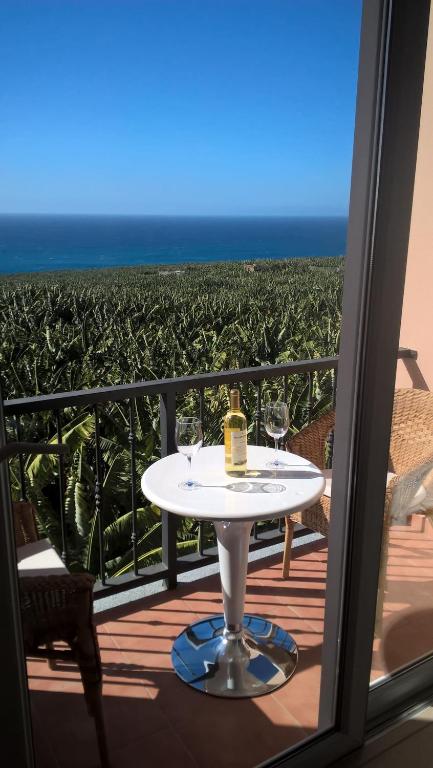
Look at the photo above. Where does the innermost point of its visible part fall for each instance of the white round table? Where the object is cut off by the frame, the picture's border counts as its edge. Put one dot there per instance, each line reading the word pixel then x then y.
pixel 235 654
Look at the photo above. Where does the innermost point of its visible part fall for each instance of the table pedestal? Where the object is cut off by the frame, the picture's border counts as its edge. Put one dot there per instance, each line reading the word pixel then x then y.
pixel 235 655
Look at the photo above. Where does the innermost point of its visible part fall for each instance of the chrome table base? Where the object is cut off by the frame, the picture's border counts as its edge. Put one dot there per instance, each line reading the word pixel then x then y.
pixel 255 660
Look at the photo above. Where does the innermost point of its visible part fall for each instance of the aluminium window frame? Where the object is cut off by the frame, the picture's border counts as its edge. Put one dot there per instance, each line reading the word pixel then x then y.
pixel 17 745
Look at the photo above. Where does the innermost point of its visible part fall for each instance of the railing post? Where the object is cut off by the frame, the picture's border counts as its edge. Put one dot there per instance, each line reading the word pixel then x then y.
pixel 131 439
pixel 201 407
pixel 310 398
pixel 98 494
pixel 62 484
pixel 330 440
pixel 334 387
pixel 200 534
pixel 167 420
pixel 258 421
pixel 22 471
pixel 258 413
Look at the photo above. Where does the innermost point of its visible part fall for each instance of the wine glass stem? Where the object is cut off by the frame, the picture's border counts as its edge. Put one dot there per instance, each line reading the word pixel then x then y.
pixel 189 469
pixel 276 450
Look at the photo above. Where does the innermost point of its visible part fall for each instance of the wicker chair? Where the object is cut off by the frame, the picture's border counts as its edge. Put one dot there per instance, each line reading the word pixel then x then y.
pixel 310 443
pixel 411 444
pixel 59 607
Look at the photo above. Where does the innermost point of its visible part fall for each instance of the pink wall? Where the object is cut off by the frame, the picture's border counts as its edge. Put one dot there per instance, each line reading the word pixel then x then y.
pixel 417 316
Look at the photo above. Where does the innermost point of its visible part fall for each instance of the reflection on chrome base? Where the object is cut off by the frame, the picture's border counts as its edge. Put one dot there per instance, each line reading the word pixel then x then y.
pixel 255 660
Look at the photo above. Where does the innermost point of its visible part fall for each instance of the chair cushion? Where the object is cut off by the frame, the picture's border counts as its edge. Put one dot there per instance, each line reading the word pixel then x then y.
pixel 39 558
pixel 416 504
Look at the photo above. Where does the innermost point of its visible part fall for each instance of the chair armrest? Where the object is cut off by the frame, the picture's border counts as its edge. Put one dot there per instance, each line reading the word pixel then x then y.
pixel 68 583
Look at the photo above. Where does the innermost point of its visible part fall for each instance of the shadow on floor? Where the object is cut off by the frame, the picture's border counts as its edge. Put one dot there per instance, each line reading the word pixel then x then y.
pixel 142 732
pixel 407 638
pixel 152 717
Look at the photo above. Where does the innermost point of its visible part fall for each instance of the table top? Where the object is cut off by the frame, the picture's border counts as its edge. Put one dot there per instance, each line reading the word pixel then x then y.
pixel 261 495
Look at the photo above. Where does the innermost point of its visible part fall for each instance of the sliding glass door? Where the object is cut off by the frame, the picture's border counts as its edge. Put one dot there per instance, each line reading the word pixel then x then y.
pixel 404 618
pixel 341 592
pixel 390 89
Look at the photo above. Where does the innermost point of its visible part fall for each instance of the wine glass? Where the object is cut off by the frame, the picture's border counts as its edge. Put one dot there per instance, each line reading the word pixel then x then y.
pixel 276 425
pixel 189 440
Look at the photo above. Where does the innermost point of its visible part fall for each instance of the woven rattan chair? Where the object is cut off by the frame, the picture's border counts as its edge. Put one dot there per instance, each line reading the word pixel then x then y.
pixel 310 443
pixel 59 607
pixel 411 444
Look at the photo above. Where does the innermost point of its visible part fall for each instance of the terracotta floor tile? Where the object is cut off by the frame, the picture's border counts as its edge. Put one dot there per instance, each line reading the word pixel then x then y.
pixel 72 732
pixel 164 749
pixel 300 696
pixel 288 598
pixel 244 731
pixel 44 754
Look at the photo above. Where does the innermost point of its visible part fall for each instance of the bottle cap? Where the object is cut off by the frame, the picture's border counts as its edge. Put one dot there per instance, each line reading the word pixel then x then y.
pixel 235 400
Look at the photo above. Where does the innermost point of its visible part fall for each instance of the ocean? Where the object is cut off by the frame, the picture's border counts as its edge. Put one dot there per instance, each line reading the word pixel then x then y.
pixel 40 243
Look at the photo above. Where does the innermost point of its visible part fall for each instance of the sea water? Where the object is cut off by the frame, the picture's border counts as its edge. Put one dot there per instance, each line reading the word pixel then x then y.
pixel 36 243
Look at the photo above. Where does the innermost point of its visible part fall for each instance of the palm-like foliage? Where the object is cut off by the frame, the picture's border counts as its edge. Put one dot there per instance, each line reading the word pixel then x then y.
pixel 69 331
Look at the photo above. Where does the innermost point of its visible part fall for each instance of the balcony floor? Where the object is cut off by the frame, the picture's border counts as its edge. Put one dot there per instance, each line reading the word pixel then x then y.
pixel 153 718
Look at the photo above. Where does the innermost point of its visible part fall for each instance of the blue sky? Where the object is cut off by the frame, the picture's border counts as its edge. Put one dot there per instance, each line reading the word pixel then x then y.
pixel 242 107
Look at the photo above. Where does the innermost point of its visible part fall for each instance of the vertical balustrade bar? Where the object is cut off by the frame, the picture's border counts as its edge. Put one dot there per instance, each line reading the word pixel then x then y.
pixel 167 420
pixel 258 419
pixel 334 387
pixel 310 397
pixel 200 535
pixel 62 484
pixel 258 414
pixel 21 464
pixel 285 396
pixel 286 388
pixel 201 405
pixel 200 532
pixel 330 440
pixel 132 442
pixel 98 494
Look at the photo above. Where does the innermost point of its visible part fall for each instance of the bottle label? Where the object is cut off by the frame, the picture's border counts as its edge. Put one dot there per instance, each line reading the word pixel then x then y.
pixel 239 446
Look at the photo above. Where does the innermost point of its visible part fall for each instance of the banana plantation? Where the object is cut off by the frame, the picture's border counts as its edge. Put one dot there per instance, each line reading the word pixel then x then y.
pixel 78 330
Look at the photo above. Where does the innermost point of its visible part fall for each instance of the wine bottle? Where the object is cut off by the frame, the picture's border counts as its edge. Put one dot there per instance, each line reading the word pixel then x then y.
pixel 235 437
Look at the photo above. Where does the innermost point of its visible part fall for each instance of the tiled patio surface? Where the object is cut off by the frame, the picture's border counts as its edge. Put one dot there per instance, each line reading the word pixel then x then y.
pixel 408 610
pixel 154 719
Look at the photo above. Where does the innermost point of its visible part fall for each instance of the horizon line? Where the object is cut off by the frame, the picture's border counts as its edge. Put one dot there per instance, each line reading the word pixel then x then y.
pixel 186 215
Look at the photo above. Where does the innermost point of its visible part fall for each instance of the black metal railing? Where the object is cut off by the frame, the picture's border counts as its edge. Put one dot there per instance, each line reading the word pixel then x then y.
pixel 167 390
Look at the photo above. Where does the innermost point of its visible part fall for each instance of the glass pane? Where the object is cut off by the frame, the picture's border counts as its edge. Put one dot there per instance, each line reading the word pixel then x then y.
pixel 404 619
pixel 404 624
pixel 223 134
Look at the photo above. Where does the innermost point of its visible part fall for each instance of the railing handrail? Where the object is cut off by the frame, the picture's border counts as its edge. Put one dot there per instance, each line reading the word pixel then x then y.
pixel 118 392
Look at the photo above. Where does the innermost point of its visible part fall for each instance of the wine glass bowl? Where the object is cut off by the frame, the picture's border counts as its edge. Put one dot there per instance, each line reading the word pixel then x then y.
pixel 276 424
pixel 189 440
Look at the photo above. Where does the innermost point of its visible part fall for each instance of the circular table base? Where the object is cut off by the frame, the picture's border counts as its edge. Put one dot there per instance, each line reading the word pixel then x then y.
pixel 254 661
